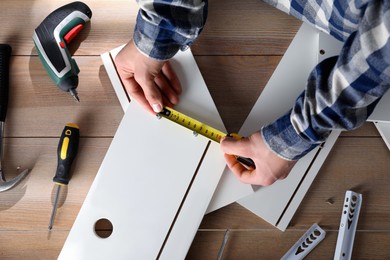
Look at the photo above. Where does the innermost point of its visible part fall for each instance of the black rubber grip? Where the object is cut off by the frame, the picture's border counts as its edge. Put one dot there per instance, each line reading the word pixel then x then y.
pixel 45 31
pixel 247 161
pixel 67 151
pixel 5 55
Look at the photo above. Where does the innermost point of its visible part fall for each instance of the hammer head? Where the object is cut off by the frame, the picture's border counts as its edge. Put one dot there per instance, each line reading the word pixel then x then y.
pixel 6 185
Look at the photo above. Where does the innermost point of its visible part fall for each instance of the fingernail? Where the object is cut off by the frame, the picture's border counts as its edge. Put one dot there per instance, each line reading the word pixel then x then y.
pixel 157 108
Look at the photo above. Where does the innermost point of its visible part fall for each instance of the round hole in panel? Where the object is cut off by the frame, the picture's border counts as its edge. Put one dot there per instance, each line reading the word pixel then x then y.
pixel 322 51
pixel 103 228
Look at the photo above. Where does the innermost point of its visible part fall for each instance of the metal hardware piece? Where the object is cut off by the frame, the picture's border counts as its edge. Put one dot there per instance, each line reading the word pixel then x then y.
pixel 306 243
pixel 348 223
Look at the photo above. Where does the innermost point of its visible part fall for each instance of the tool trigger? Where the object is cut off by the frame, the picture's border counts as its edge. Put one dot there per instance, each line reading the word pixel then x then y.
pixel 72 33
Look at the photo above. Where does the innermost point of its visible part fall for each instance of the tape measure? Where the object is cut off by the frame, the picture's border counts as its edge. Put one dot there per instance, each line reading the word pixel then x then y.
pixel 202 129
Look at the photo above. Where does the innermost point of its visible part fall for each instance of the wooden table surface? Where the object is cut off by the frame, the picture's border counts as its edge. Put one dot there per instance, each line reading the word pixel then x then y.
pixel 237 52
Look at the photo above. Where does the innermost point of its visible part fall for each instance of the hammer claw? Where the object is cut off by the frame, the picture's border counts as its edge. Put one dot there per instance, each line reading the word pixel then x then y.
pixel 5 55
pixel 6 185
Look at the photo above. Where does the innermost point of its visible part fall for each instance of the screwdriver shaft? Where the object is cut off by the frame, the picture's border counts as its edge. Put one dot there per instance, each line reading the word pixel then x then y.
pixel 53 213
pixel 74 94
pixel 224 241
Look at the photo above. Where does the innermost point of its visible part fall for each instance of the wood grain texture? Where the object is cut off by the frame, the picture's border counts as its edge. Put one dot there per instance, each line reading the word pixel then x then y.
pixel 239 48
pixel 28 206
pixel 245 28
pixel 267 244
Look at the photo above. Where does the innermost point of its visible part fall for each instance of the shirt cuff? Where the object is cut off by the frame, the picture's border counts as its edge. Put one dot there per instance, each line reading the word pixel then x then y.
pixel 281 138
pixel 154 41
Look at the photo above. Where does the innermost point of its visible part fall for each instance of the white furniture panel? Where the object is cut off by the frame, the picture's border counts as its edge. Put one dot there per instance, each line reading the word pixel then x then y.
pixel 381 112
pixel 155 175
pixel 202 190
pixel 278 96
pixel 229 188
pixel 287 82
pixel 384 130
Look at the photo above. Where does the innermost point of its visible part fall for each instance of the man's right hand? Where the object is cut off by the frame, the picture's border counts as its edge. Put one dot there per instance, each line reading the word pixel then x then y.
pixel 269 166
pixel 152 83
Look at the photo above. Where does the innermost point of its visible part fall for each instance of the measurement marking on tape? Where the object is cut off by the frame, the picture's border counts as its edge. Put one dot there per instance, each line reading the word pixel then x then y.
pixel 193 124
pixel 202 129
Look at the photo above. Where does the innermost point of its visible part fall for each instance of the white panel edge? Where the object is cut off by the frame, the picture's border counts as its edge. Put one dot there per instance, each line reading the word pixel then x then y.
pixel 384 131
pixel 277 98
pixel 114 78
pixel 194 207
pixel 381 111
pixel 314 169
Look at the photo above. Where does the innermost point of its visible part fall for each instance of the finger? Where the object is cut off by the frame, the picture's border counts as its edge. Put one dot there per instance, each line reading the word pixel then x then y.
pixel 166 88
pixel 166 101
pixel 248 175
pixel 237 147
pixel 136 92
pixel 152 93
pixel 171 76
pixel 242 173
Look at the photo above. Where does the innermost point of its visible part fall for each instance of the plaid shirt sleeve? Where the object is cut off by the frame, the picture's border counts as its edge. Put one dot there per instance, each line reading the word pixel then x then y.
pixel 164 27
pixel 342 91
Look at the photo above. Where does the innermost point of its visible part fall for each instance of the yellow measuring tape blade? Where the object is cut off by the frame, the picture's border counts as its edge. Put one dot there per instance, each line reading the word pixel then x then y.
pixel 202 129
pixel 192 124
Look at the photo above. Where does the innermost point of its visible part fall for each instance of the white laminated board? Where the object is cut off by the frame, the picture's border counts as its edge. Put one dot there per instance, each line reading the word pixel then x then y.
pixel 155 182
pixel 277 203
pixel 381 118
pixel 381 112
pixel 278 96
pixel 229 188
pixel 384 130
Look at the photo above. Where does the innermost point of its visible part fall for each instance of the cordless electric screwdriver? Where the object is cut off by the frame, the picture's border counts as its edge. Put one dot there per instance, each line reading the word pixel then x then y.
pixel 51 38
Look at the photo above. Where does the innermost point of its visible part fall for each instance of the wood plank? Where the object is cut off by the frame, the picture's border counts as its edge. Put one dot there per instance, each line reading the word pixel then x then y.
pixel 112 24
pixel 346 168
pixel 250 28
pixel 232 28
pixel 235 82
pixel 242 244
pixel 360 164
pixel 368 129
pixel 32 245
pixel 266 244
pixel 28 206
pixel 38 108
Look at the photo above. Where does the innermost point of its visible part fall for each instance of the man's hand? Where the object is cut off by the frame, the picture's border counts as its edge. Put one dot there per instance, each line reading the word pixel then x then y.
pixel 269 166
pixel 151 82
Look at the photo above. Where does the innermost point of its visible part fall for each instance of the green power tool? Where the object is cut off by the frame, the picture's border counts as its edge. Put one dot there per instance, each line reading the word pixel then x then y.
pixel 51 38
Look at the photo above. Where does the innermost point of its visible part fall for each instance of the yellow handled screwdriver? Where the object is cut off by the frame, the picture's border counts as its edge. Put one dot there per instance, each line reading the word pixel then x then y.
pixel 66 152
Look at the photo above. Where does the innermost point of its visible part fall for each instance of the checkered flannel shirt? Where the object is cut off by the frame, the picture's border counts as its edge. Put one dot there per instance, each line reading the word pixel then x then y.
pixel 340 92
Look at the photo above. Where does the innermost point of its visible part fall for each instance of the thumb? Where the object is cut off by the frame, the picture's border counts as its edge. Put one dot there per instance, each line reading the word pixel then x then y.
pixel 239 147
